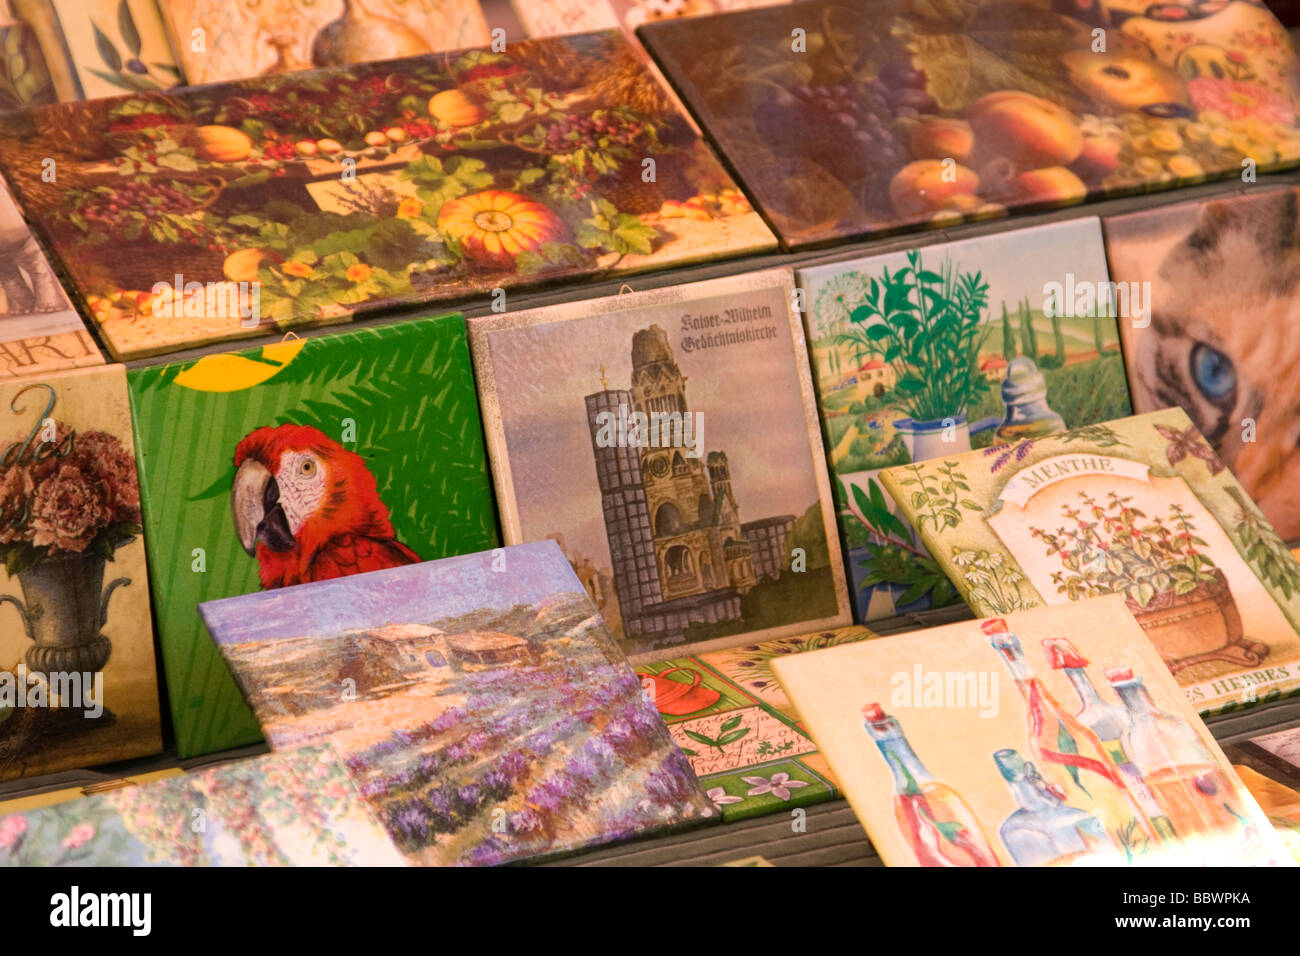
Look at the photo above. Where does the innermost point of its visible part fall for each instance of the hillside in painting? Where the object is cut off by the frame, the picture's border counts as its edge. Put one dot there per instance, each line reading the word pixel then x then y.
pixel 295 676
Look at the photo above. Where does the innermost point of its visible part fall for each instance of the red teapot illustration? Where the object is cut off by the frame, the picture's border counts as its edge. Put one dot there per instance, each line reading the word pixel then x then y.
pixel 676 698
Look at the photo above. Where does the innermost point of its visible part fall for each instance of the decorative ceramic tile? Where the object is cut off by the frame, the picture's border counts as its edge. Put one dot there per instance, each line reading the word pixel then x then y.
pixel 39 330
pixel 295 809
pixel 76 644
pixel 1269 766
pixel 694 516
pixel 1280 802
pixel 1001 742
pixel 479 702
pixel 216 40
pixel 731 718
pixel 841 124
pixel 943 349
pixel 1266 760
pixel 116 46
pixel 1217 338
pixel 385 418
pixel 299 199
pixel 1141 507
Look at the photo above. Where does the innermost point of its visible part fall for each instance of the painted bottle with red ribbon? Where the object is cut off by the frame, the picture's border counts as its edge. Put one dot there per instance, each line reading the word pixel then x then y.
pixel 1044 830
pixel 1110 722
pixel 940 827
pixel 1070 756
pixel 1177 765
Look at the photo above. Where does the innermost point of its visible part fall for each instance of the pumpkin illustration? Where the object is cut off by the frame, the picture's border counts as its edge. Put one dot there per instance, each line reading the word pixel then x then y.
pixel 220 144
pixel 493 227
pixel 456 109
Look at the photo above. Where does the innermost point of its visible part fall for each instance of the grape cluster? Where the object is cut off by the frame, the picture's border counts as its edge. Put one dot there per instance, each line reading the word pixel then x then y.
pixel 848 128
pixel 574 132
pixel 419 129
pixel 902 86
pixel 128 197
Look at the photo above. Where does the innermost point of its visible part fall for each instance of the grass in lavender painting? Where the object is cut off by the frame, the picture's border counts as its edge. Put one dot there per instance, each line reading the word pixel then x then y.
pixel 479 702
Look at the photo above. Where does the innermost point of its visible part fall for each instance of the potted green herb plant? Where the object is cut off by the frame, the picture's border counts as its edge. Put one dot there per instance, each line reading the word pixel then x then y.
pixel 929 326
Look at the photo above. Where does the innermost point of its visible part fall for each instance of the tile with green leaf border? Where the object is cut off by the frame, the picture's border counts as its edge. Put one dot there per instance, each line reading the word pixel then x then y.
pixel 735 721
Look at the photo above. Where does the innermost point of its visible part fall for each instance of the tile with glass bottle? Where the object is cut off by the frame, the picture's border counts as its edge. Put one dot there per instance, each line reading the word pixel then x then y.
pixel 1049 768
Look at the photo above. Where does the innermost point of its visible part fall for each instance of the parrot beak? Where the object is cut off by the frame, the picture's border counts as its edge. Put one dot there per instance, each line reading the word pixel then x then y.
pixel 259 517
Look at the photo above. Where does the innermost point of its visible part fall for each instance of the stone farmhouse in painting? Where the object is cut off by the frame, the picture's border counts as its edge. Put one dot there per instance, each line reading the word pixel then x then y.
pixel 417 648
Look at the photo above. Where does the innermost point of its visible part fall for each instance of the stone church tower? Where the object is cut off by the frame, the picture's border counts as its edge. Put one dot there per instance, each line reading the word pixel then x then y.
pixel 694 517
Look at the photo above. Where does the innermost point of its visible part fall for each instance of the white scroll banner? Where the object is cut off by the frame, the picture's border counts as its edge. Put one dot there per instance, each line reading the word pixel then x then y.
pixel 1025 484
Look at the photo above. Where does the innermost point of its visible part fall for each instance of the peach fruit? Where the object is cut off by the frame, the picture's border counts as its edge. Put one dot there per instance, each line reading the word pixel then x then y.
pixel 936 138
pixel 1051 184
pixel 925 185
pixel 1029 130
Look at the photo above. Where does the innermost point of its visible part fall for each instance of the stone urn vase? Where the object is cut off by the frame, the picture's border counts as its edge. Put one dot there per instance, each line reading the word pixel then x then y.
pixel 1201 625
pixel 63 609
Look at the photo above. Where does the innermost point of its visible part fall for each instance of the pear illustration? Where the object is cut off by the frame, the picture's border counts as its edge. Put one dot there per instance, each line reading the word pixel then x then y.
pixel 360 35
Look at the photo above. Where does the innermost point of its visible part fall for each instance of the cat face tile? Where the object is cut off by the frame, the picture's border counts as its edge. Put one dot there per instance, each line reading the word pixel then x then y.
pixel 1219 341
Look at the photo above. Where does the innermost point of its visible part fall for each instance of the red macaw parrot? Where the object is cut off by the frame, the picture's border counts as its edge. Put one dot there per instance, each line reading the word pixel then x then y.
pixel 307 509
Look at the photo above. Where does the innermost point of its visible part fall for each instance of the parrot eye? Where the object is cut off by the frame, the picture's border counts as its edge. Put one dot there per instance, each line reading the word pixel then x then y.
pixel 307 468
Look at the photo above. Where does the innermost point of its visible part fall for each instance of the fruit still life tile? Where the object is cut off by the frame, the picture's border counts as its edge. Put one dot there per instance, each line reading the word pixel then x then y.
pixel 301 198
pixel 840 124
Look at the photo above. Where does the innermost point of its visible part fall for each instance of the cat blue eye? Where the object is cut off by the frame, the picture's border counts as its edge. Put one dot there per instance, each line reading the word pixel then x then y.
pixel 1213 372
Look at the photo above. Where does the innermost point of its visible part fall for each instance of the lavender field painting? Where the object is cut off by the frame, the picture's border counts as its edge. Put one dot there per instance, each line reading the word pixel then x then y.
pixel 479 703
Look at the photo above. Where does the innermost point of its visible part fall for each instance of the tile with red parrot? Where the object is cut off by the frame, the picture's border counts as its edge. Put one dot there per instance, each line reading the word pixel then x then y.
pixel 305 460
